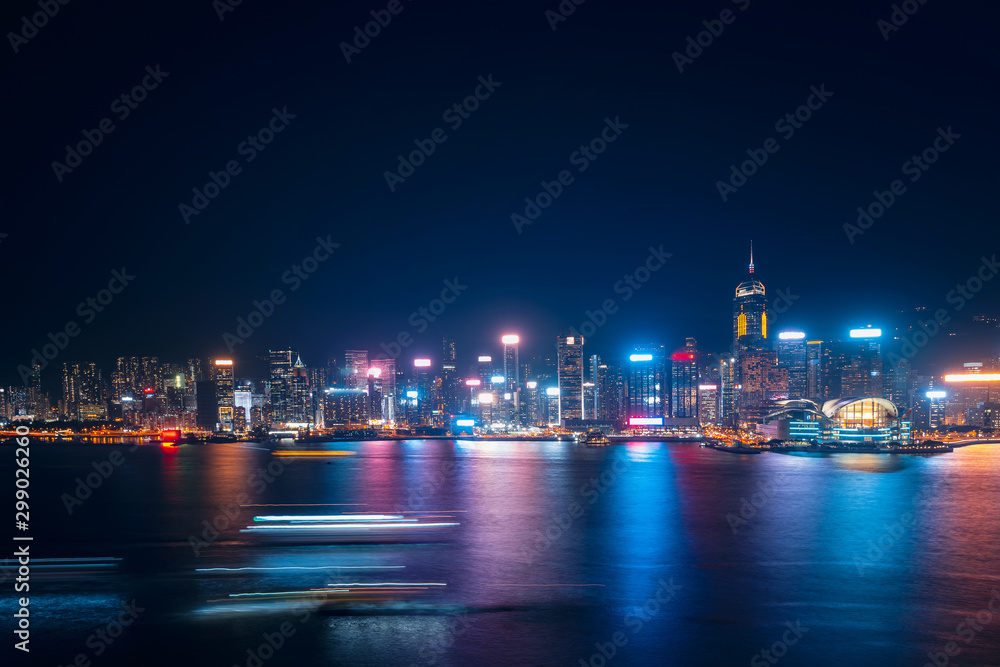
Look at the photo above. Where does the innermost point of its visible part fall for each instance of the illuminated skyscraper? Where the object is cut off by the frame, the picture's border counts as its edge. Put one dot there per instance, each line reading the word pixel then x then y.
pixel 763 382
pixel 424 385
pixel 749 309
pixel 299 395
pixel 610 391
pixel 730 391
pixel 356 369
pixel 223 377
pixel 647 387
pixel 814 369
pixel 570 377
pixel 792 355
pixel 281 363
pixel 387 381
pixel 708 404
pixel 512 378
pixel 684 381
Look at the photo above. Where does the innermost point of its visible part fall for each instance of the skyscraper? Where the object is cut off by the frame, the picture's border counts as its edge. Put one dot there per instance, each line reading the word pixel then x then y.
pixel 708 404
pixel 223 377
pixel 300 405
pixel 512 378
pixel 684 381
pixel 569 350
pixel 387 381
pixel 647 387
pixel 749 309
pixel 792 355
pixel 281 364
pixel 356 369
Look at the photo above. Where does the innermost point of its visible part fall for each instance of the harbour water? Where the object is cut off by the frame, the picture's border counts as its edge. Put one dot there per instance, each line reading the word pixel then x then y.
pixel 631 554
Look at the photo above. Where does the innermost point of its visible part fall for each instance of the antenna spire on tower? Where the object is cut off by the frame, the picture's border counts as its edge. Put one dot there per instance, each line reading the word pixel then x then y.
pixel 751 256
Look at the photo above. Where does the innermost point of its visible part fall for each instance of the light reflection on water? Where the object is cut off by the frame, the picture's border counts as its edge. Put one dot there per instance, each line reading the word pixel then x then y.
pixel 539 521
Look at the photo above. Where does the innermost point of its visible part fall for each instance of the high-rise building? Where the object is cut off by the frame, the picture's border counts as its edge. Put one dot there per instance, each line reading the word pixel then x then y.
pixel 793 356
pixel 83 392
pixel 512 378
pixel 814 369
pixel 356 369
pixel 647 387
pixel 749 308
pixel 423 383
pixel 763 381
pixel 684 381
pixel 387 380
pixel 223 378
pixel 570 353
pixel 609 390
pixel 730 390
pixel 207 406
pixel 708 404
pixel 281 363
pixel 242 408
pixel 299 399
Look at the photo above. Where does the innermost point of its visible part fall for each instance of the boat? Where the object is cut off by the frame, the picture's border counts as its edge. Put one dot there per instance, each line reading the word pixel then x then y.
pixel 594 438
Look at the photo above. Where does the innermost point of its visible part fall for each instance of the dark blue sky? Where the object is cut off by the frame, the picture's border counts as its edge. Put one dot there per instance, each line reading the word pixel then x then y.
pixel 323 175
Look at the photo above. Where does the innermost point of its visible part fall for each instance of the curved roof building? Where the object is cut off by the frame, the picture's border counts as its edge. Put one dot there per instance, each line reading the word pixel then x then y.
pixel 850 419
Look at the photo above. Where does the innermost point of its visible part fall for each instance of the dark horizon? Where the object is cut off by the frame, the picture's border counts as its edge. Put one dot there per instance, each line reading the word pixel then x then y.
pixel 883 97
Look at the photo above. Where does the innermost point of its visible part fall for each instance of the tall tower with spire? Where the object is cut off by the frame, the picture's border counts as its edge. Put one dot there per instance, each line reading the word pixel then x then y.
pixel 749 327
pixel 749 306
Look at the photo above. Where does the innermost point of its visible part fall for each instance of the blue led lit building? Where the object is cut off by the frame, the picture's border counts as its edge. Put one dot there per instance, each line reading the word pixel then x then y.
pixel 843 420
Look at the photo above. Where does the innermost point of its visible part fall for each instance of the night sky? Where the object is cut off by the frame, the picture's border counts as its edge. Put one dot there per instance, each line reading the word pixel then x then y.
pixel 323 175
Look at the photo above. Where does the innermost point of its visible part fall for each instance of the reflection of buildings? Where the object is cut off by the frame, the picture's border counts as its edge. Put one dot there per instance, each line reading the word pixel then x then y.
pixel 864 420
